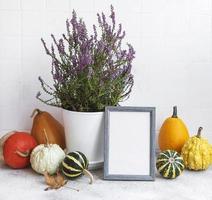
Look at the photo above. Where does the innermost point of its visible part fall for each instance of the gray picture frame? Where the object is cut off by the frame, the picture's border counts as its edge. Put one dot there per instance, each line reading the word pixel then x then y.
pixel 128 177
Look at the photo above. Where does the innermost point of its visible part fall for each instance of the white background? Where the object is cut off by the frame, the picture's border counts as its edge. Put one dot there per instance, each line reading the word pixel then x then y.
pixel 173 65
pixel 129 142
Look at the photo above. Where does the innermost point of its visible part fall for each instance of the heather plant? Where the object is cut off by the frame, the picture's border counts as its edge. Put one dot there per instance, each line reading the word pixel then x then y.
pixel 89 71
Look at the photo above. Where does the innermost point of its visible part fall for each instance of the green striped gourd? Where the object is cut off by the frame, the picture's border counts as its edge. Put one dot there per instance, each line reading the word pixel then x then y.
pixel 74 165
pixel 169 164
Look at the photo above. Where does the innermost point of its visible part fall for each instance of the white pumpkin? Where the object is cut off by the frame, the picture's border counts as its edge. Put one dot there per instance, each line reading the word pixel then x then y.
pixel 46 158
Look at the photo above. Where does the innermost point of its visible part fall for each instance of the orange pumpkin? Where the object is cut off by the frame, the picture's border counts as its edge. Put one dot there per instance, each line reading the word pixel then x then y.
pixel 173 133
pixel 17 149
pixel 54 130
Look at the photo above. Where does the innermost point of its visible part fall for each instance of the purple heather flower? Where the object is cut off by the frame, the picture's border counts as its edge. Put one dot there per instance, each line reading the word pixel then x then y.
pixel 100 46
pixel 112 16
pixel 95 33
pixel 99 58
pixel 68 28
pixel 119 30
pixel 123 54
pixel 116 74
pixel 131 53
pixel 58 77
pixel 104 19
pixel 74 18
pixel 74 24
pixel 122 36
pixel 81 31
pixel 54 39
pixel 61 46
pixel 84 60
pixel 127 68
pixel 52 51
pixel 46 49
pixel 99 19
pixel 74 61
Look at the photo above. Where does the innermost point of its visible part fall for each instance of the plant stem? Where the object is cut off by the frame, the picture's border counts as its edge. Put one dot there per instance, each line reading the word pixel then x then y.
pixel 87 173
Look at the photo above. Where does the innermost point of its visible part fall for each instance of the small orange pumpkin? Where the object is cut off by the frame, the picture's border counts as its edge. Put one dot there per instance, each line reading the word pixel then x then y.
pixel 54 130
pixel 173 133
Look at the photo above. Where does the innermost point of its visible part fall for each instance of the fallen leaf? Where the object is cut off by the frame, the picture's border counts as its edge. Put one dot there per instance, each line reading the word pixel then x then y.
pixel 55 181
pixel 60 179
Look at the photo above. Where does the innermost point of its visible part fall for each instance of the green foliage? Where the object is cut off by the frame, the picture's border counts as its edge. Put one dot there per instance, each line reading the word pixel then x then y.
pixel 89 72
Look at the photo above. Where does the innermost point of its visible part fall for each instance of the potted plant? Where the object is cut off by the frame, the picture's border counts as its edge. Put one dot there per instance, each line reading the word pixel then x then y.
pixel 89 72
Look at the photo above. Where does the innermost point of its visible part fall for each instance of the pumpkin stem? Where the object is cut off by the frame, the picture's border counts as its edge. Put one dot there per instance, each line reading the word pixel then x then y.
pixel 35 111
pixel 199 132
pixel 47 139
pixel 23 154
pixel 87 173
pixel 174 115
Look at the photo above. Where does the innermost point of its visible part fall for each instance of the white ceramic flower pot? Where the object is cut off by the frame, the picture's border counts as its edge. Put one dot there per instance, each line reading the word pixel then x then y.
pixel 84 131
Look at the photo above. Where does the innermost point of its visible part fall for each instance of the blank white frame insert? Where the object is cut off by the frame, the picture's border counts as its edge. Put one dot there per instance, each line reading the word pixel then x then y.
pixel 129 143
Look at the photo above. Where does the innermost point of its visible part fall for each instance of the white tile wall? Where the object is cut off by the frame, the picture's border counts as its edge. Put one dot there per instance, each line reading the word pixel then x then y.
pixel 32 23
pixel 173 66
pixel 10 22
pixel 12 66
pixel 10 48
pixel 33 5
pixel 10 4
pixel 54 22
pixel 82 6
pixel 62 5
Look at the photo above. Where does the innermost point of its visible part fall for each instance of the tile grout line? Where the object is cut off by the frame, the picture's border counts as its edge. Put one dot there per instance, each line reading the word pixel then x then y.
pixel 21 60
pixel 211 29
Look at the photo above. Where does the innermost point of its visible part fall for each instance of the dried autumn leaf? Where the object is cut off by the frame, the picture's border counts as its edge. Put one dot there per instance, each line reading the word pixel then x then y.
pixel 54 182
pixel 60 179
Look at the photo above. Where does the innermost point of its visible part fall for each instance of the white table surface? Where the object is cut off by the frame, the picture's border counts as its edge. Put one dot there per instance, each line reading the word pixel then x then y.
pixel 27 185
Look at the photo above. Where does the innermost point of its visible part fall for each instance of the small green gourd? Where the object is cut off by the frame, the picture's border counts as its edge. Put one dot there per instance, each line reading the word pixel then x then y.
pixel 75 164
pixel 170 164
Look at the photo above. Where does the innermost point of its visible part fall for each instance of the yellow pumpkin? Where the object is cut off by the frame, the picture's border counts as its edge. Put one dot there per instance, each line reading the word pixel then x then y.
pixel 196 152
pixel 54 130
pixel 173 133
